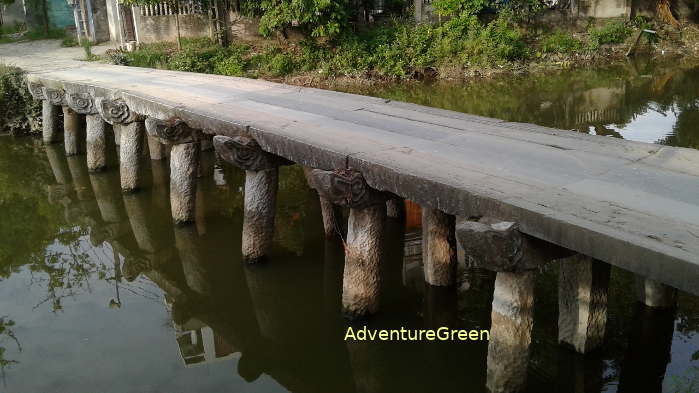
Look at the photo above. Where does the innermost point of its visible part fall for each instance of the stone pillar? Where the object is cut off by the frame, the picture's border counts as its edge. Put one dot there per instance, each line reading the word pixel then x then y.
pixel 130 151
pixel 184 163
pixel 438 247
pixel 654 294
pixel 129 125
pixel 328 210
pixel 96 138
pixel 500 246
pixel 72 130
pixel 361 280
pixel 156 149
pixel 583 284
pixel 51 132
pixel 49 113
pixel 261 182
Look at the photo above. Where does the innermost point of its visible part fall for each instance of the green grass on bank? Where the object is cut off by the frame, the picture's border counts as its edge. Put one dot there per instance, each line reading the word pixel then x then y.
pixel 19 32
pixel 398 49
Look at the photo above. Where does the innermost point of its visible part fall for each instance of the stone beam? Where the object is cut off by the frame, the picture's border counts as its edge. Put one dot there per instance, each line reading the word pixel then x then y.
pixel 365 227
pixel 261 183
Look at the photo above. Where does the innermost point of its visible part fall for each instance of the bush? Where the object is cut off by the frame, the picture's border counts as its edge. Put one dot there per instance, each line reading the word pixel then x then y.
pixel 19 112
pixel 561 42
pixel 117 56
pixel 611 33
pixel 497 42
pixel 231 62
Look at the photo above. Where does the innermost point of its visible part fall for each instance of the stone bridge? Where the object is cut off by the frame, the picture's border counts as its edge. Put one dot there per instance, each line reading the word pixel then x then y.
pixel 515 196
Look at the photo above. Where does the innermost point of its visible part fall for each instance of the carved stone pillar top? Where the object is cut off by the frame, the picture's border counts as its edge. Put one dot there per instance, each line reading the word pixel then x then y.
pixel 55 96
pixel 245 153
pixel 36 90
pixel 346 187
pixel 116 111
pixel 500 246
pixel 173 131
pixel 82 103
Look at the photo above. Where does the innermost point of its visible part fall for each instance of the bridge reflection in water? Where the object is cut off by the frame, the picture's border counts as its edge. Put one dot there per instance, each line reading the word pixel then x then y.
pixel 283 319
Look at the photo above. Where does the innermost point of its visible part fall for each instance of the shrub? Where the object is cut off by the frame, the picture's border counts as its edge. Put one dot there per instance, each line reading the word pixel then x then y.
pixel 117 56
pixel 497 42
pixel 231 62
pixel 561 42
pixel 611 33
pixel 19 112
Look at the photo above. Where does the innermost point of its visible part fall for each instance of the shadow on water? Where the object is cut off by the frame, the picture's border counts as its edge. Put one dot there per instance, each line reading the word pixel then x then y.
pixel 106 294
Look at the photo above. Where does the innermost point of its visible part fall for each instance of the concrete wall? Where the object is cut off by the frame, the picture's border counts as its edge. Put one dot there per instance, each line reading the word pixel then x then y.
pixel 114 21
pixel 13 14
pixel 602 8
pixel 162 27
pixel 100 20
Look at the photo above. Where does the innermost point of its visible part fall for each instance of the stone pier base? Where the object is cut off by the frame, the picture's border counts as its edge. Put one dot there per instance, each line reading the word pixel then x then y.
pixel 438 247
pixel 51 123
pixel 360 288
pixel 184 160
pixel 583 284
pixel 130 152
pixel 654 294
pixel 96 143
pixel 72 130
pixel 511 332
pixel 260 208
pixel 330 214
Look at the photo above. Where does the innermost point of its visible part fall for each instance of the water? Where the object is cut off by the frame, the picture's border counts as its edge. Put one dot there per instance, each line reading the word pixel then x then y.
pixel 99 292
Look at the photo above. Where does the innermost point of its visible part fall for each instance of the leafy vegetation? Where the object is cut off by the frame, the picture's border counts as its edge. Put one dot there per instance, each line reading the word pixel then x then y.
pixel 612 33
pixel 19 112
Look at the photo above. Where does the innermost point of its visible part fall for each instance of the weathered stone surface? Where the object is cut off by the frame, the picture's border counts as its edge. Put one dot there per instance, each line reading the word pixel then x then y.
pixel 361 280
pixel 583 283
pixel 260 209
pixel 331 216
pixel 655 294
pixel 52 132
pixel 96 142
pixel 81 103
pixel 130 151
pixel 172 131
pixel 500 246
pixel 36 90
pixel 510 332
pixel 245 153
pixel 55 96
pixel 116 111
pixel 72 131
pixel 438 247
pixel 395 208
pixel 346 187
pixel 184 160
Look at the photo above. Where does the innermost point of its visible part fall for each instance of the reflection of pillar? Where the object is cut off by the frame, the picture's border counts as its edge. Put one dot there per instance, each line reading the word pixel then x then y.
pixel 184 164
pixel 161 179
pixel 261 183
pixel 582 302
pixel 365 227
pixel 194 267
pixel 106 192
pixel 58 164
pixel 440 306
pixel 501 247
pixel 367 363
pixel 579 374
pixel 137 210
pixel 439 247
pixel 81 180
pixel 648 351
pixel 654 294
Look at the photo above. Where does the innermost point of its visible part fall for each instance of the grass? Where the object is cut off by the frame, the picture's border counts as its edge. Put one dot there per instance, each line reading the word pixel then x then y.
pixel 6 33
pixel 399 49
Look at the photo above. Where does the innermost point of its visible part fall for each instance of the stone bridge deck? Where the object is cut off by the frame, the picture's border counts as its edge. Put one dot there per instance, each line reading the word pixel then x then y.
pixel 633 205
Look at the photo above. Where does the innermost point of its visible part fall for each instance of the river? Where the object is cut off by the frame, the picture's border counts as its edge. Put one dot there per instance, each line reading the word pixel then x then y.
pixel 99 292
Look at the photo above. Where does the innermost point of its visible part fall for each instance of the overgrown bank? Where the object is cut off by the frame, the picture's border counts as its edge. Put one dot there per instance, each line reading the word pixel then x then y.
pixel 458 48
pixel 19 112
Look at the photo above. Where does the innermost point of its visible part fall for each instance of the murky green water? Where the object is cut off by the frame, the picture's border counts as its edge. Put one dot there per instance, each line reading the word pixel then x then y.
pixel 99 292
